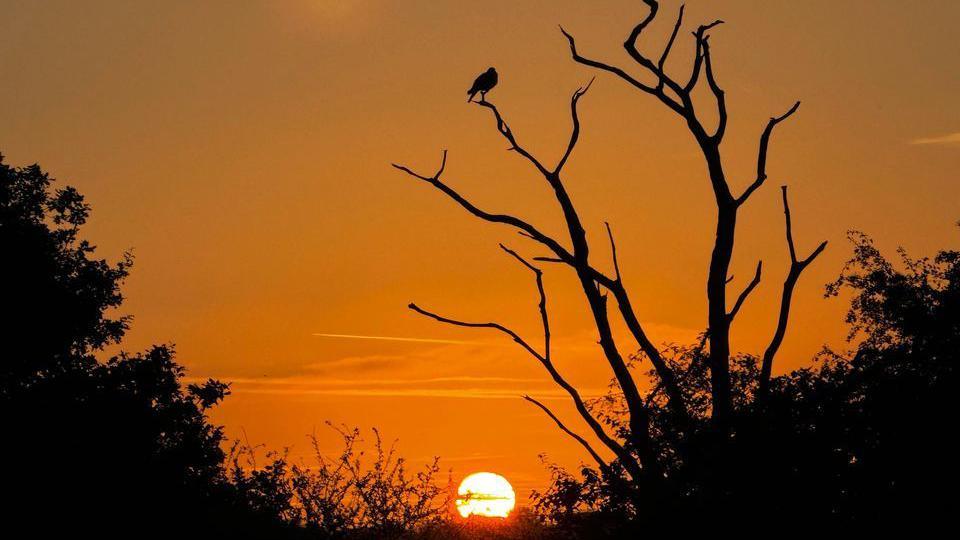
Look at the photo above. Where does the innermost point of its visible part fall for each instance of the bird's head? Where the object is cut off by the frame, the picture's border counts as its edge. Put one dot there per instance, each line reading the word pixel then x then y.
pixel 491 70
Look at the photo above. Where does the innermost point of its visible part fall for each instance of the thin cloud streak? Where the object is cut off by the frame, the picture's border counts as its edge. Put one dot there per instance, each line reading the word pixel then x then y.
pixel 395 338
pixel 379 388
pixel 291 381
pixel 466 393
pixel 950 139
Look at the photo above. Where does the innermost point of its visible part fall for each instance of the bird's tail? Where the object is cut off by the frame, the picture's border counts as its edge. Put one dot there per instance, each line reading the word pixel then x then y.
pixel 470 96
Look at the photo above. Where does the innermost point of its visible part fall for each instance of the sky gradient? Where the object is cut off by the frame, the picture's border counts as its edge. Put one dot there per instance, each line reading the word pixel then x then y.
pixel 242 150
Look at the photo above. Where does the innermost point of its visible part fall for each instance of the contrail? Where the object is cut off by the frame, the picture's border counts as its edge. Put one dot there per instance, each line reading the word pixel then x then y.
pixel 392 338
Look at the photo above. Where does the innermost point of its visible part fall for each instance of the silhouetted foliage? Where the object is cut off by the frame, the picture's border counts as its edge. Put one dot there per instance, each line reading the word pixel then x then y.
pixel 351 495
pixel 863 439
pixel 104 446
pixel 56 296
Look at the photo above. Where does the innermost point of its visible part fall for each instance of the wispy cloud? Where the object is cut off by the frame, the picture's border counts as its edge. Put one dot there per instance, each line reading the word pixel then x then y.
pixel 288 381
pixel 395 338
pixel 458 393
pixel 949 139
pixel 462 387
pixel 471 457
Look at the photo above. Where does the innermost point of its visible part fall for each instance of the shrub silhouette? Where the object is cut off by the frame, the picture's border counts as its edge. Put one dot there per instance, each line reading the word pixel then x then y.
pixel 364 491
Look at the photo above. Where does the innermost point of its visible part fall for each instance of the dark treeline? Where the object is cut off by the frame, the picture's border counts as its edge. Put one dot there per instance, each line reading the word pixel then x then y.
pixel 121 445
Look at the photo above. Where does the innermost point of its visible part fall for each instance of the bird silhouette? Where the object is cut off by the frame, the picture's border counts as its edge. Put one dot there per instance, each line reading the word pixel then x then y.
pixel 484 83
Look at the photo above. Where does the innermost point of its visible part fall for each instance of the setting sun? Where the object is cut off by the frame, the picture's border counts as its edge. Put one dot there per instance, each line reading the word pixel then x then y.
pixel 485 494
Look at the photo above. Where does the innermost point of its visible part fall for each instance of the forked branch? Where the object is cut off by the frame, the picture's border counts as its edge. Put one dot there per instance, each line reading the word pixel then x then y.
pixel 655 91
pixel 717 92
pixel 632 48
pixel 629 464
pixel 700 37
pixel 579 261
pixel 526 228
pixel 575 132
pixel 797 267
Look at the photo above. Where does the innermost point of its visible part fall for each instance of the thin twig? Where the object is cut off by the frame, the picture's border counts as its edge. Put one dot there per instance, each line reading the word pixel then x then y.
pixel 746 292
pixel 762 152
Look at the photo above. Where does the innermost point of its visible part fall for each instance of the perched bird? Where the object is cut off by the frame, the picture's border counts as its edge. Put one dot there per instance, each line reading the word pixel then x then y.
pixel 484 83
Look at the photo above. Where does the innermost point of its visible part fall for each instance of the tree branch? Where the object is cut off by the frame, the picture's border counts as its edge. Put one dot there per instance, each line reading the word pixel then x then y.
pixel 497 326
pixel 667 100
pixel 504 130
pixel 575 132
pixel 746 292
pixel 633 50
pixel 666 50
pixel 796 268
pixel 630 465
pixel 677 404
pixel 613 253
pixel 583 442
pixel 542 305
pixel 717 92
pixel 526 228
pixel 700 38
pixel 615 286
pixel 762 153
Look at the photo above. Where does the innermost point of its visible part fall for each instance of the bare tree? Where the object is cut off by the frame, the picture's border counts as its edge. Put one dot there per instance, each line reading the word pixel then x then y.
pixel 638 454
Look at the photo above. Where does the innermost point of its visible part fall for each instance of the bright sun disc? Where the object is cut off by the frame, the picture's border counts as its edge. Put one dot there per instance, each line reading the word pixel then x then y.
pixel 485 494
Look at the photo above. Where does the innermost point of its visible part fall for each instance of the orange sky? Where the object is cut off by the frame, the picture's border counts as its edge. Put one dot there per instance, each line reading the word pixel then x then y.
pixel 242 149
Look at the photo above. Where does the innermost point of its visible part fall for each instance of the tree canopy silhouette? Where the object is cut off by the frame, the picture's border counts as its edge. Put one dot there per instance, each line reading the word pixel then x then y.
pixel 105 446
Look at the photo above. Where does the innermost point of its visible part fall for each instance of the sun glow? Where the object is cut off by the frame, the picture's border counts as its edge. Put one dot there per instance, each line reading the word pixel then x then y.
pixel 485 494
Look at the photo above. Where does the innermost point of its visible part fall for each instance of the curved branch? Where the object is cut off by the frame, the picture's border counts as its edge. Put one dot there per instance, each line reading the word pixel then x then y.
pixel 630 45
pixel 717 92
pixel 796 268
pixel 575 132
pixel 505 130
pixel 496 326
pixel 530 231
pixel 583 442
pixel 700 38
pixel 667 100
pixel 762 152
